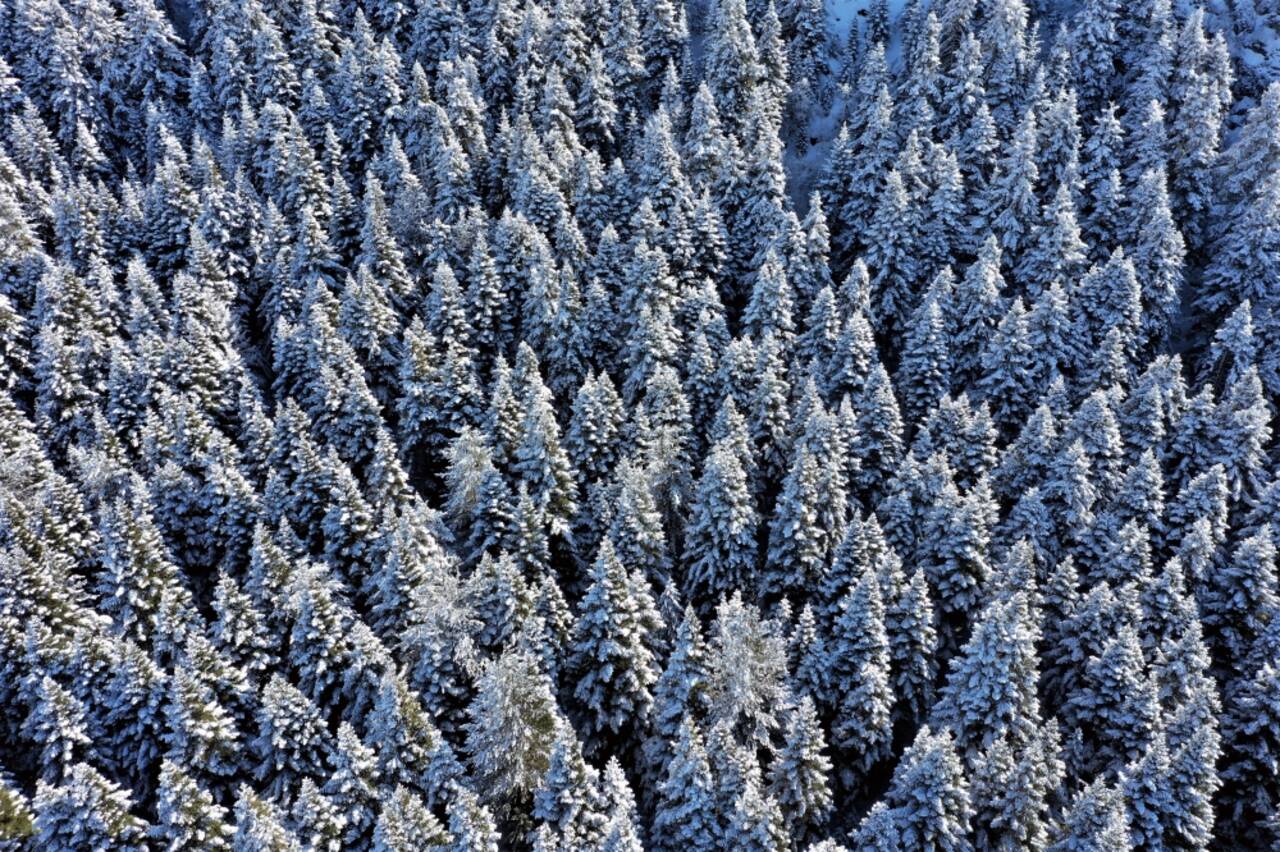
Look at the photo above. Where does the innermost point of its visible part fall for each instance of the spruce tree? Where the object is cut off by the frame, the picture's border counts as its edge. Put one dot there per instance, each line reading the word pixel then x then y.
pixel 613 649
pixel 720 545
pixel 685 815
pixel 799 775
pixel 85 810
pixel 188 815
pixel 928 798
pixel 860 677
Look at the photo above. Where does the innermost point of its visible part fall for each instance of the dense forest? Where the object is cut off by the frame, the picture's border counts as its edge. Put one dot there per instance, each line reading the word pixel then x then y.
pixel 761 425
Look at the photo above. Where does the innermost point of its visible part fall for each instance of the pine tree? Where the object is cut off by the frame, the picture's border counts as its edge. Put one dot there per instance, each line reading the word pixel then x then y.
pixel 622 832
pixel 350 787
pixel 756 822
pixel 996 668
pixel 954 544
pixel 798 777
pixel 1242 430
pixel 56 724
pixel 891 237
pixel 720 545
pixel 1096 820
pixel 1195 130
pixel 1118 701
pixel 139 573
pixel 405 822
pixel 613 649
pixel 85 811
pixel 1104 190
pixel 769 310
pixel 188 815
pixel 1058 253
pixel 860 677
pixel 913 640
pixel 680 691
pixel 1011 205
pixel 1238 597
pixel 685 816
pixel 879 444
pixel 732 61
pixel 925 369
pixel 540 459
pixel 569 800
pixel 292 741
pixel 1008 368
pixel 973 311
pixel 471 825
pixel 795 554
pixel 747 684
pixel 1251 738
pixel 16 818
pixel 408 748
pixel 1014 786
pixel 928 799
pixel 1158 252
pixel 317 821
pixel 202 735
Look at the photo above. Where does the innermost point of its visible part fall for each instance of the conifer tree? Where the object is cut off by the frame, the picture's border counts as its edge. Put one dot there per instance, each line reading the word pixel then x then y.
pixel 613 648
pixel 569 799
pixel 1008 368
pixel 913 641
pixel 1118 701
pixel 260 825
pixel 685 815
pixel 138 571
pixel 720 545
pixel 795 554
pixel 798 776
pixel 188 815
pixel 924 372
pixel 514 718
pixel 408 748
pixel 747 674
pixel 540 460
pixel 1097 819
pixel 860 677
pixel 681 690
pixel 879 445
pixel 57 724
pixel 85 810
pixel 996 668
pixel 1011 205
pixel 928 799
pixel 292 742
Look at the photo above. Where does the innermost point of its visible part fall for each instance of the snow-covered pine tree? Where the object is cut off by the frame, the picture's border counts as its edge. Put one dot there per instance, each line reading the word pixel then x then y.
pixel 613 649
pixel 859 662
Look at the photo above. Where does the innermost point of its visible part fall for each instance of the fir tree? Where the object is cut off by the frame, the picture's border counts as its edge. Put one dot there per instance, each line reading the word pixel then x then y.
pixel 798 777
pixel 685 816
pixel 860 676
pixel 86 810
pixel 720 543
pixel 928 799
pixel 188 815
pixel 612 648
